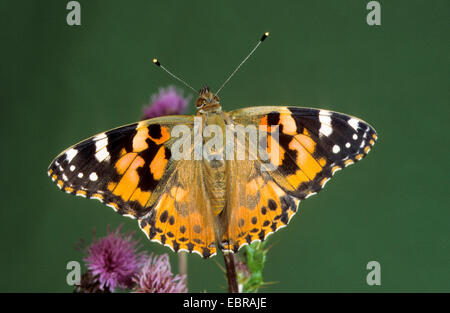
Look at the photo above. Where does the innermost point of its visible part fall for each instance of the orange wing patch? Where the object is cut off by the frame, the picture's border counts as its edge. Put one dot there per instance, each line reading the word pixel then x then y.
pixel 141 196
pixel 275 151
pixel 157 134
pixel 158 164
pixel 130 179
pixel 176 226
pixel 305 161
pixel 182 218
pixel 265 209
pixel 315 144
pixel 124 162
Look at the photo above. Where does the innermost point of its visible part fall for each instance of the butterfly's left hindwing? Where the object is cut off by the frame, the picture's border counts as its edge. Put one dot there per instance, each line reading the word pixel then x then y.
pixel 122 167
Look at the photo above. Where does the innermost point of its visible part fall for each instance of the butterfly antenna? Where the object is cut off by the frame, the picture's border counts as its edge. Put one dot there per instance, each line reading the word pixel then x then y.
pixel 157 63
pixel 264 36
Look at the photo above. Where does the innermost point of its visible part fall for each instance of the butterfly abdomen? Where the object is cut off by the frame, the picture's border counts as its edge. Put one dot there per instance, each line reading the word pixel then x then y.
pixel 214 169
pixel 215 180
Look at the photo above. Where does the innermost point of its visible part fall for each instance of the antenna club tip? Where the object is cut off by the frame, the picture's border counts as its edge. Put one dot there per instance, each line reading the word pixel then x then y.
pixel 156 62
pixel 266 34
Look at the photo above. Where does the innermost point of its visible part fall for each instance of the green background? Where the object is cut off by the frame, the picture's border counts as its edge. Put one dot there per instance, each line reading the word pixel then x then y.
pixel 61 84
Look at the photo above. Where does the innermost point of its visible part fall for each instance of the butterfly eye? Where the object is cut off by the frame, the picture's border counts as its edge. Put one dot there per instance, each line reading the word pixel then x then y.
pixel 200 103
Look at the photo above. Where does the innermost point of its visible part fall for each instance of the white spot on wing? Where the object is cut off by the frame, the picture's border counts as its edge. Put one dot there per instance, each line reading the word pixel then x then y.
pixel 80 175
pixel 355 136
pixel 70 154
pixel 93 176
pixel 64 177
pixel 348 145
pixel 325 122
pixel 100 137
pixel 353 123
pixel 102 154
pixel 336 149
pixel 101 143
pixel 72 168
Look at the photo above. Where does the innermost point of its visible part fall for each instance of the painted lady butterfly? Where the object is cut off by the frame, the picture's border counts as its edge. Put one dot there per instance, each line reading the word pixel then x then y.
pixel 197 205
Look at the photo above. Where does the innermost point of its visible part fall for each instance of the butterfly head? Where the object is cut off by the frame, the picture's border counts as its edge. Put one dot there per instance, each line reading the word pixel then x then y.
pixel 207 100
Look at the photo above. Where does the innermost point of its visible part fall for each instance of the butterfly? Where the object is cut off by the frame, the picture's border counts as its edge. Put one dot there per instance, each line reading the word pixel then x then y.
pixel 202 205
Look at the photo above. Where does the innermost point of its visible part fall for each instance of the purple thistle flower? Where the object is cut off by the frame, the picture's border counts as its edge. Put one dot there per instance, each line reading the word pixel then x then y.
pixel 156 277
pixel 168 101
pixel 113 261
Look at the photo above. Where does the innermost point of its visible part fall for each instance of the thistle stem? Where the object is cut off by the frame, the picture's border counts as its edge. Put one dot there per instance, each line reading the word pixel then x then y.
pixel 230 265
pixel 182 263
